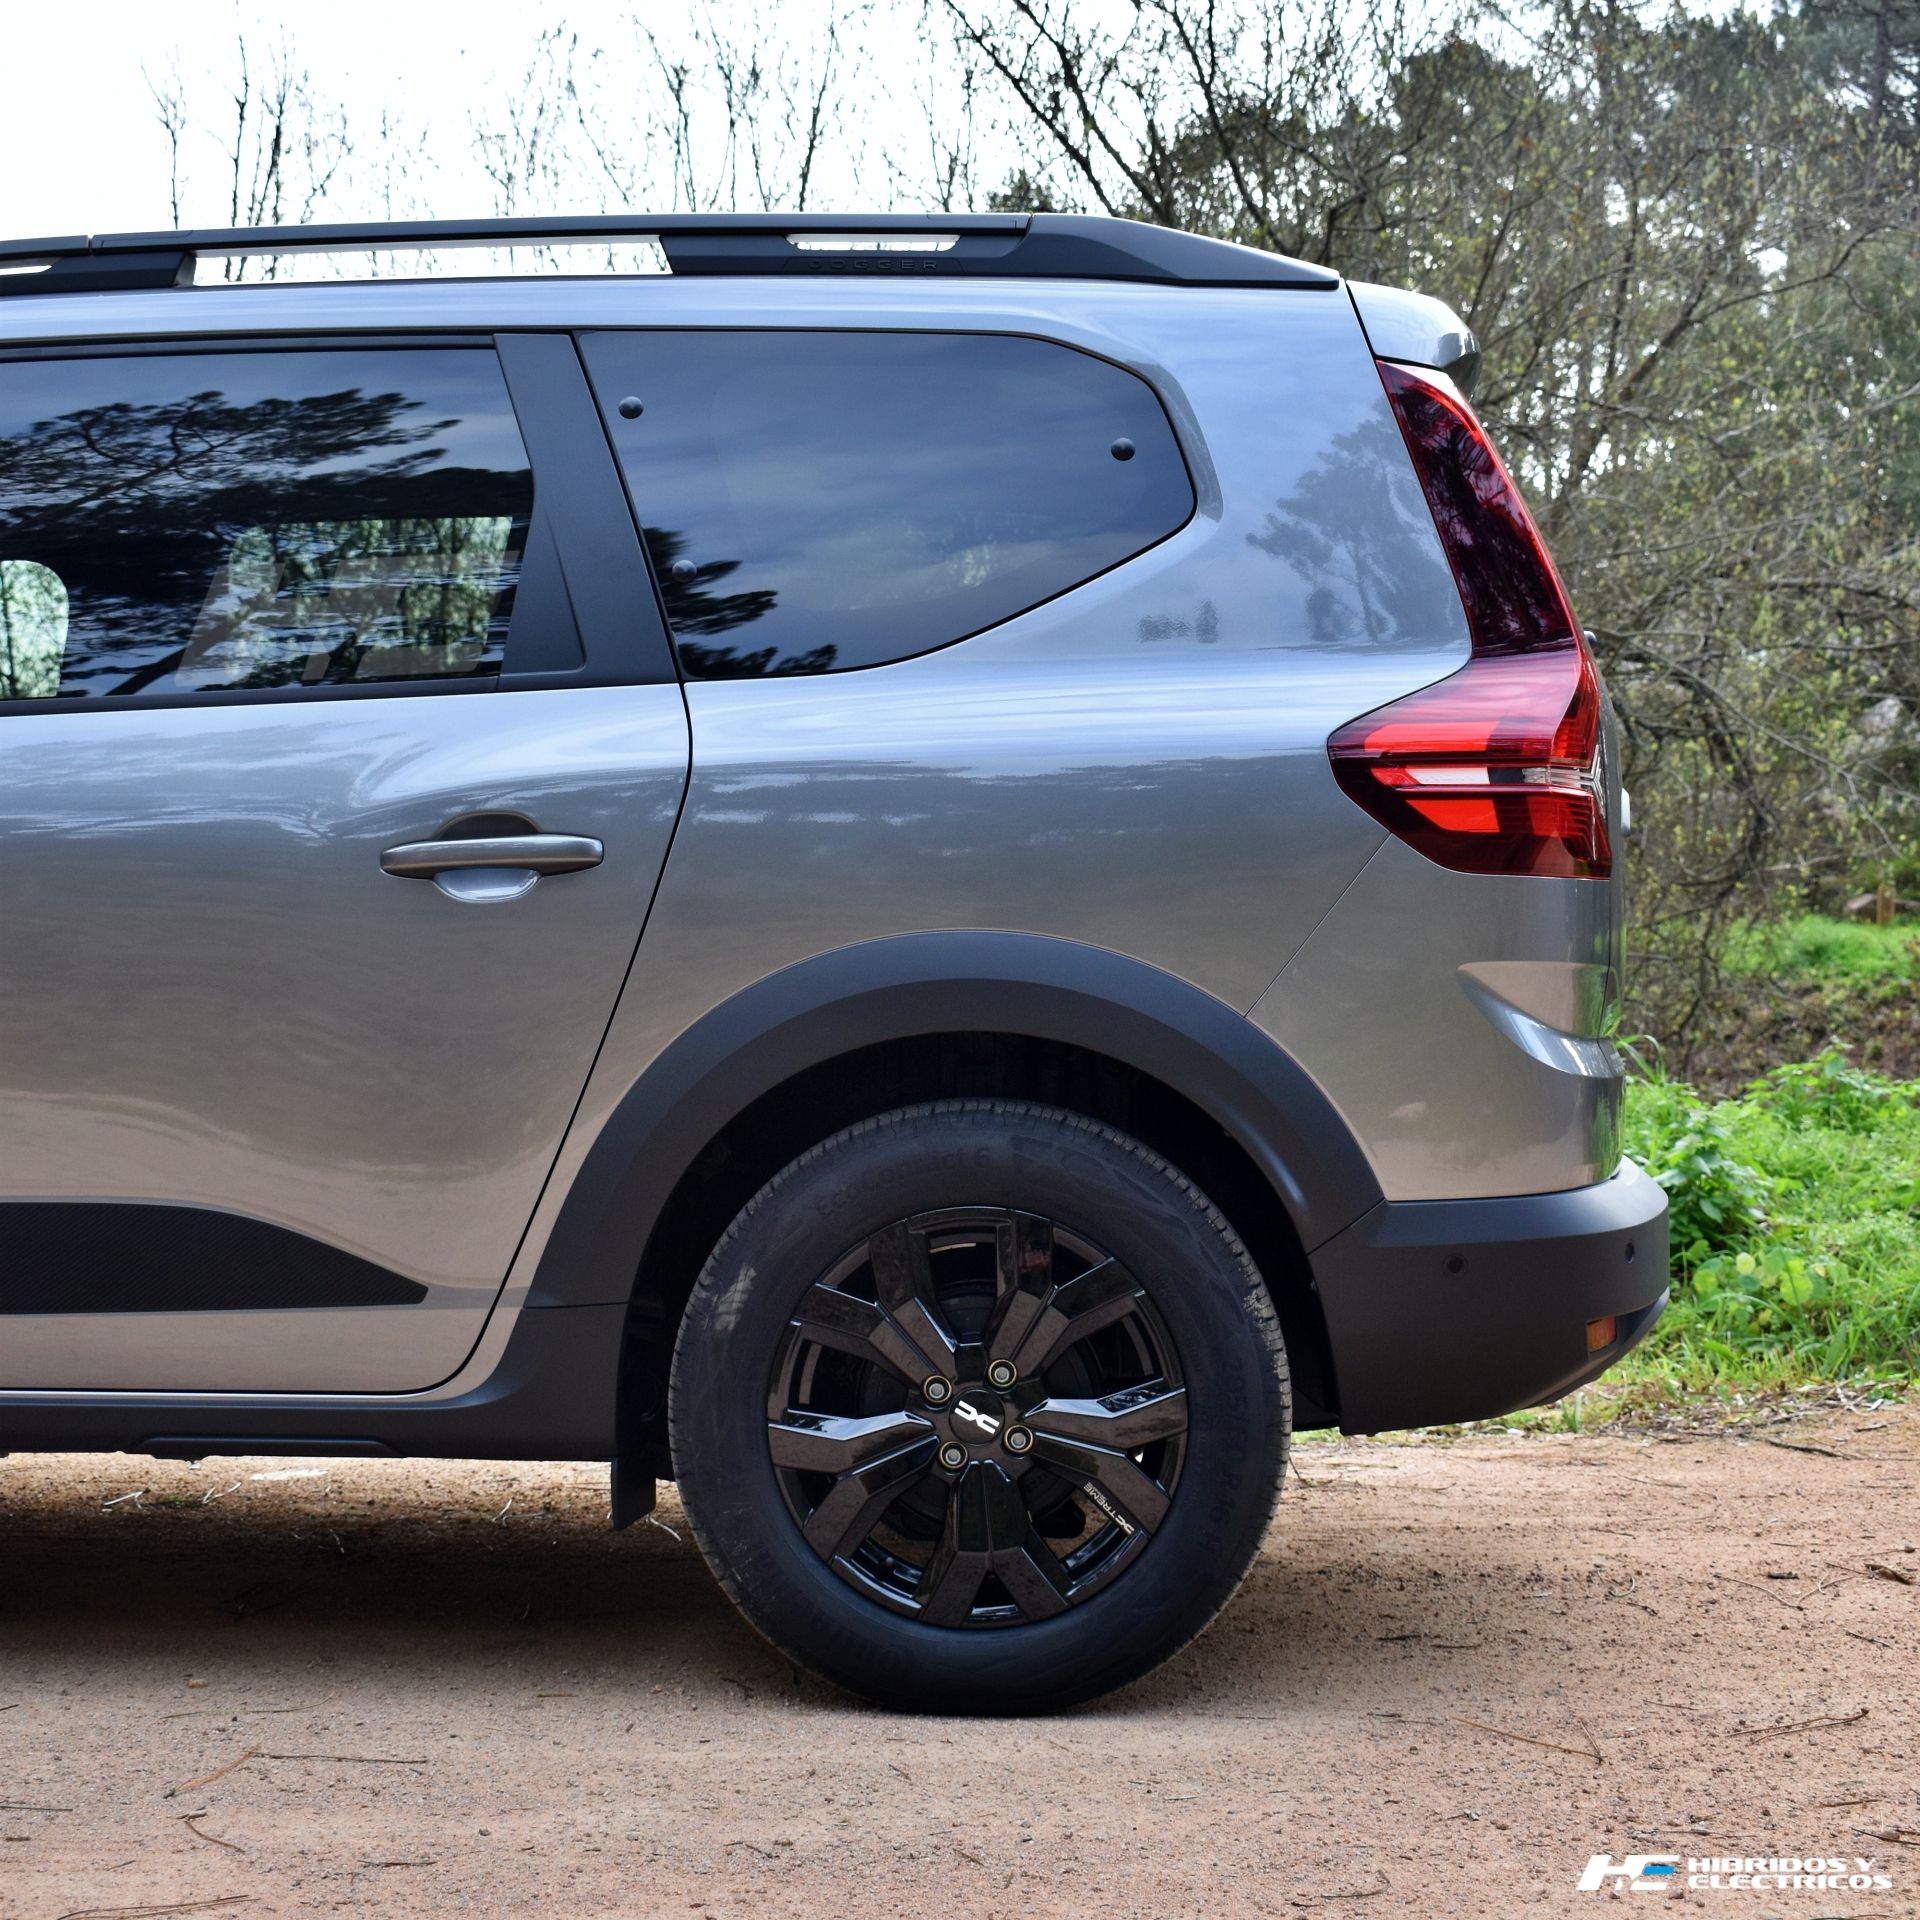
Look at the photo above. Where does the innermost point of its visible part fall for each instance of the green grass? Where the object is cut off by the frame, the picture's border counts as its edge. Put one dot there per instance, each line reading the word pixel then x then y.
pixel 1824 952
pixel 1795 1216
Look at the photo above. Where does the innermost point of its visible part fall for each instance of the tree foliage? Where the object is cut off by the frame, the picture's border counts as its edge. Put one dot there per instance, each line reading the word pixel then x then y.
pixel 1689 242
pixel 1688 245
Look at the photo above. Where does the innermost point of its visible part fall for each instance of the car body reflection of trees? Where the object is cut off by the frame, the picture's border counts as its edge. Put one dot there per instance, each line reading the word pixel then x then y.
pixel 197 541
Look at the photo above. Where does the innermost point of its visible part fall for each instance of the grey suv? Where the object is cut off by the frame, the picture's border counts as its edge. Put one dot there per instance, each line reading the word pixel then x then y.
pixel 935 875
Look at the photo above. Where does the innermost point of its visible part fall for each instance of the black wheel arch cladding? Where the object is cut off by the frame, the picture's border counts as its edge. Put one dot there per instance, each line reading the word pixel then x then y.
pixel 1303 1165
pixel 895 988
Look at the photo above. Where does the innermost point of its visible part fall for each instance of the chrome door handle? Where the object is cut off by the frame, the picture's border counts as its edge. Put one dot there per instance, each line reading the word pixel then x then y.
pixel 526 852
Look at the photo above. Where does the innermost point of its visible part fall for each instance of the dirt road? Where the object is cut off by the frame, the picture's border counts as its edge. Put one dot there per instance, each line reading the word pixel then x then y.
pixel 421 1689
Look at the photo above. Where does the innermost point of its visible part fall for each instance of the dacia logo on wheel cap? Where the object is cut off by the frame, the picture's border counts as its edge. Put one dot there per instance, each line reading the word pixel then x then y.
pixel 988 1423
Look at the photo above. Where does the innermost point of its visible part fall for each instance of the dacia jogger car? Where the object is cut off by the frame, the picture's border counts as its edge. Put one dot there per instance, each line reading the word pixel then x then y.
pixel 935 875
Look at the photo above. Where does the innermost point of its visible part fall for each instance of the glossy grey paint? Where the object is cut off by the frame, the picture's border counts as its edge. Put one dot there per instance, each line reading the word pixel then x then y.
pixel 1474 1016
pixel 213 995
pixel 1139 764
pixel 1417 329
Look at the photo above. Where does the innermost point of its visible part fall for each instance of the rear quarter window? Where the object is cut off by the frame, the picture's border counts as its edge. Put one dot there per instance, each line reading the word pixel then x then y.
pixel 819 501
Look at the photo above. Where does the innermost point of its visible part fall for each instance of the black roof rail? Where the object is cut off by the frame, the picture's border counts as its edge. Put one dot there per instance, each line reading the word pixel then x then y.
pixel 1038 246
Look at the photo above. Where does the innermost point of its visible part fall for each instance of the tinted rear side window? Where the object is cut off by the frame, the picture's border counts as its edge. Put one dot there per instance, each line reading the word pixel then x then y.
pixel 190 523
pixel 815 501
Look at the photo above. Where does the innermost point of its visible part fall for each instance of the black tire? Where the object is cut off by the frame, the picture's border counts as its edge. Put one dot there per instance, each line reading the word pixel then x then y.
pixel 1198 1316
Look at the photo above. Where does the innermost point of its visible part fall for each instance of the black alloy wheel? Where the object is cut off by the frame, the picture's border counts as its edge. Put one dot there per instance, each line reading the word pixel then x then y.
pixel 977 1418
pixel 979 1406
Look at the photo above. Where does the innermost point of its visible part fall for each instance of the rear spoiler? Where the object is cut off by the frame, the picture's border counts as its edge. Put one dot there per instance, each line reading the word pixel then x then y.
pixel 1417 330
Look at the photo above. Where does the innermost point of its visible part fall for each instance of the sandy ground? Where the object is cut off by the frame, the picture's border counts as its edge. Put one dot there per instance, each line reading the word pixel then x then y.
pixel 429 1689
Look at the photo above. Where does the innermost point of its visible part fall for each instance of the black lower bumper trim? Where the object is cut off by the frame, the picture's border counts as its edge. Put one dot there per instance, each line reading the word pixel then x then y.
pixel 1443 1310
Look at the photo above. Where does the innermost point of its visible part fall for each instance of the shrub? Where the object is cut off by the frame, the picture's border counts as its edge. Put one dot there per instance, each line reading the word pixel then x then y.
pixel 1827 1092
pixel 1795 1222
pixel 1716 1201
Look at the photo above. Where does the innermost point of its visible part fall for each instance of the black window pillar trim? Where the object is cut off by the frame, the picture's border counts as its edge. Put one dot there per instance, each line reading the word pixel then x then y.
pixel 584 528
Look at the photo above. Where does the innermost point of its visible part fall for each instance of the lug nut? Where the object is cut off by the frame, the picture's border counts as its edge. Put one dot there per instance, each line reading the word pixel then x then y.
pixel 1018 1439
pixel 1003 1373
pixel 953 1457
pixel 937 1392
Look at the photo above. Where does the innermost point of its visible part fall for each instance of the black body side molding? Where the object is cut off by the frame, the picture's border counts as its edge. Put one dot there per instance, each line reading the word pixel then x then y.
pixel 131 1256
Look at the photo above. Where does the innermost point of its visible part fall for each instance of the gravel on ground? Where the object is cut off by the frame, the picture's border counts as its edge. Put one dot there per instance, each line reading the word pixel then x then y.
pixel 1456 1672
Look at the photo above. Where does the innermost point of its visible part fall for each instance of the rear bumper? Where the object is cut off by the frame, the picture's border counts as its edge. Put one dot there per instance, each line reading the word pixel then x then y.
pixel 1442 1310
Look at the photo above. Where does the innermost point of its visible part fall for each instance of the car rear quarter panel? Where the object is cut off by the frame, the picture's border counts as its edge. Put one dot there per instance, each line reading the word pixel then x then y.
pixel 1139 764
pixel 1462 1025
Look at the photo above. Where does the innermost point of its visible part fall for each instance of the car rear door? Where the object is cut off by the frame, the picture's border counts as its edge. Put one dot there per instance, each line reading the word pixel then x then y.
pixel 340 749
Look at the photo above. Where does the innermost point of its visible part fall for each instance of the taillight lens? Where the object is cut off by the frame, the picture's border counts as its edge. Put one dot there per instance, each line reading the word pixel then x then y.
pixel 1494 769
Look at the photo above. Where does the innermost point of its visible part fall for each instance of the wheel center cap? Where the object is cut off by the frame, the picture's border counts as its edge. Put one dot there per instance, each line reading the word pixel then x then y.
pixel 978 1416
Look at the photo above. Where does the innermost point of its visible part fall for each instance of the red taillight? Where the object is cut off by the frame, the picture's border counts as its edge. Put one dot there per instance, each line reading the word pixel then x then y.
pixel 1491 770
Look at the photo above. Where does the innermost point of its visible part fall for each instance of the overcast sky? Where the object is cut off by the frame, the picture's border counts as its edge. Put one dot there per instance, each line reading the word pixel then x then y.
pixel 421 82
pixel 81 149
